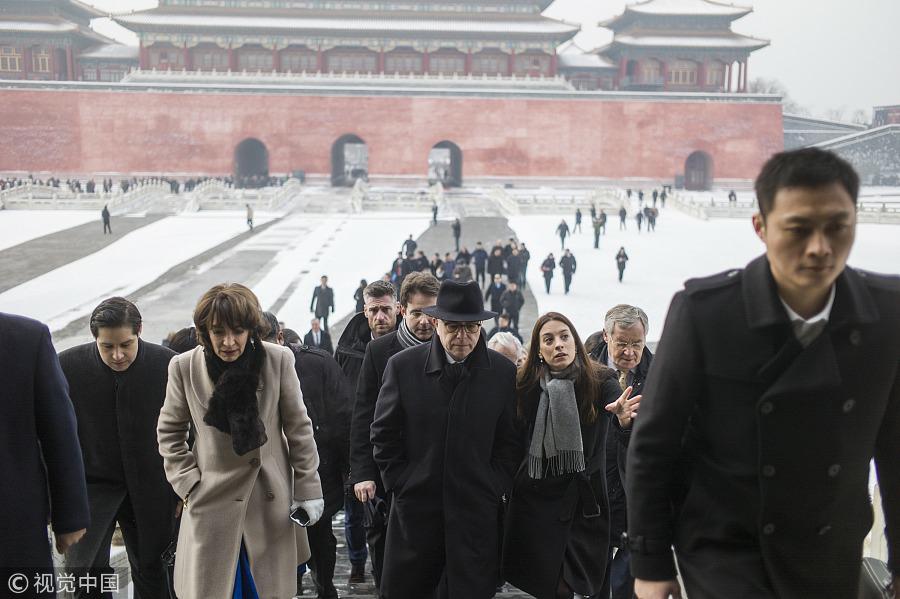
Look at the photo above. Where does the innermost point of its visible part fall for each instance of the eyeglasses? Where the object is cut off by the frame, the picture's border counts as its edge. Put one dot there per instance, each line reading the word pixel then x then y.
pixel 622 345
pixel 455 327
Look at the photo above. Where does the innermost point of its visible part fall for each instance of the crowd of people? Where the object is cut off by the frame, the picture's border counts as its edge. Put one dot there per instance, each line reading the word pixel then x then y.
pixel 110 185
pixel 567 468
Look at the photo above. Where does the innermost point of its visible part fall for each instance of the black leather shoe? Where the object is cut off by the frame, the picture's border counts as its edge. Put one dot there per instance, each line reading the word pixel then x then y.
pixel 358 573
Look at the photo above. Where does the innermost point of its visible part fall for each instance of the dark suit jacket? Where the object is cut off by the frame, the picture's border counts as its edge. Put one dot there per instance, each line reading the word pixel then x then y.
pixel 40 461
pixel 327 397
pixel 762 447
pixel 371 377
pixel 117 414
pixel 448 454
pixel 324 341
pixel 322 301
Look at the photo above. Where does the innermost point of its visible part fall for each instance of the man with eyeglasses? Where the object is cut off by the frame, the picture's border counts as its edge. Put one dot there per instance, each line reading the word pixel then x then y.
pixel 445 441
pixel 419 291
pixel 623 349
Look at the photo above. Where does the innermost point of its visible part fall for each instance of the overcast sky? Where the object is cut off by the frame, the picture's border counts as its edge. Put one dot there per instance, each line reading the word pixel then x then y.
pixel 829 54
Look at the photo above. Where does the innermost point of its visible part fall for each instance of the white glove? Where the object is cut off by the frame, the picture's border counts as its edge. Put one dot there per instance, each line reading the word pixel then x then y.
pixel 312 507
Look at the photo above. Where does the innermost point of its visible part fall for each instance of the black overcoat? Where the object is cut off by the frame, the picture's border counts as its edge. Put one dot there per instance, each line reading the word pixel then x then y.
pixel 40 462
pixel 138 395
pixel 362 462
pixel 326 395
pixel 495 265
pixel 448 456
pixel 494 293
pixel 322 301
pixel 771 442
pixel 549 517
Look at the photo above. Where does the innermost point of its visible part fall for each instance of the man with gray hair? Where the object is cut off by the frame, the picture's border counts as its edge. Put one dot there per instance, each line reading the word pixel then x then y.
pixel 623 348
pixel 508 345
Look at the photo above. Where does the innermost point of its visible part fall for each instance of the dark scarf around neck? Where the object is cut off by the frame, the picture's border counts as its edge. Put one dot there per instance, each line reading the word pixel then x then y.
pixel 233 407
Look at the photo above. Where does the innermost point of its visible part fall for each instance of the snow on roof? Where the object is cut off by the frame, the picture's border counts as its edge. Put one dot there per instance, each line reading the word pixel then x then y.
pixel 112 52
pixel 585 61
pixel 692 41
pixel 38 26
pixel 688 7
pixel 355 24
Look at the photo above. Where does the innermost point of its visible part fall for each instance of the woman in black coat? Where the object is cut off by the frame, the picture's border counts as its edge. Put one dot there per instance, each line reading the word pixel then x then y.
pixel 547 268
pixel 557 524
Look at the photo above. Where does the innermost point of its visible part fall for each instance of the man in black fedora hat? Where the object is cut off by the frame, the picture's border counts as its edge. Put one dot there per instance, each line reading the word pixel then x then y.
pixel 445 441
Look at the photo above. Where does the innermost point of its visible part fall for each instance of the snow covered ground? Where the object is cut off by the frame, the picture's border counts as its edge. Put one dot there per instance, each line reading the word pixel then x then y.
pixel 682 247
pixel 71 291
pixel 19 226
pixel 344 247
pixel 350 247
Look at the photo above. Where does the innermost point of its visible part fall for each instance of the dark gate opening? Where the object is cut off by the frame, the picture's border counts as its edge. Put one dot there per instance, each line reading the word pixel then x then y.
pixel 698 172
pixel 445 164
pixel 251 164
pixel 349 161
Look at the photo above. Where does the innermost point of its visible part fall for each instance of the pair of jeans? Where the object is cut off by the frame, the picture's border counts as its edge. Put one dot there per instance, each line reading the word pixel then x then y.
pixel 354 531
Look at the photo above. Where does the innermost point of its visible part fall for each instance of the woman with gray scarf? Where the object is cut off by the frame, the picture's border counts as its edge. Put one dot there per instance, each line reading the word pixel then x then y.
pixel 557 523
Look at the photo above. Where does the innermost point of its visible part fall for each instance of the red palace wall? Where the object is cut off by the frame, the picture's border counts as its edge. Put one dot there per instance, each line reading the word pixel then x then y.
pixel 73 131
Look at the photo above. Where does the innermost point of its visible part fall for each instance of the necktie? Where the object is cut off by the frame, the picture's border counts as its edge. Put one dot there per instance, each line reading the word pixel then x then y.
pixel 623 379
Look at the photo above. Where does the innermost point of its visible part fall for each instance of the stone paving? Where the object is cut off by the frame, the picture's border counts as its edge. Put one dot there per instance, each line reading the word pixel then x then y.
pixel 36 257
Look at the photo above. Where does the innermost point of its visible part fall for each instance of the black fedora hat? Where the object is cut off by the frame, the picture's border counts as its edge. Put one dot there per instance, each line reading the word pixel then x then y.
pixel 459 302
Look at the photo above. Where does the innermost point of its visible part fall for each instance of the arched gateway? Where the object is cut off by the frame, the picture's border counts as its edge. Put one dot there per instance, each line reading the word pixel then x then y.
pixel 445 164
pixel 251 164
pixel 698 172
pixel 349 161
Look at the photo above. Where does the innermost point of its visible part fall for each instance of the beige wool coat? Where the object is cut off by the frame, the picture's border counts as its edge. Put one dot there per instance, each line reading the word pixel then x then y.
pixel 235 496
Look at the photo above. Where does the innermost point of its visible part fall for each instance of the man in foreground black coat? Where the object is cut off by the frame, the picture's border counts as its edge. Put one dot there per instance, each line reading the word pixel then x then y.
pixel 445 441
pixel 40 462
pixel 772 389
pixel 419 291
pixel 118 385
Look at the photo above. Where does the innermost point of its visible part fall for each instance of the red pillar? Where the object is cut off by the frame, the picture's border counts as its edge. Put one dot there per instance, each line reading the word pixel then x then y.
pixel 426 62
pixel 320 61
pixel 511 63
pixel 665 75
pixel 232 59
pixel 554 65
pixel 728 77
pixel 276 60
pixel 469 62
pixel 623 68
pixel 186 58
pixel 144 57
pixel 70 64
pixel 381 60
pixel 746 80
pixel 701 75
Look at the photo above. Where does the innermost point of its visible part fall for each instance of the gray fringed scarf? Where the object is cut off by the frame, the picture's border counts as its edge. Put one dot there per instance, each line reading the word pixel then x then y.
pixel 556 446
pixel 406 337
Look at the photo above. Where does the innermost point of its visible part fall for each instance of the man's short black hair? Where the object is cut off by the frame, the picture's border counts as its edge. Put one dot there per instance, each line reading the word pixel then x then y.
pixel 806 167
pixel 113 313
pixel 272 321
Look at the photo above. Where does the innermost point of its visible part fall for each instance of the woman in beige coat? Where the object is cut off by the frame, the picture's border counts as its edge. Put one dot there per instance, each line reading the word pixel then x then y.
pixel 253 460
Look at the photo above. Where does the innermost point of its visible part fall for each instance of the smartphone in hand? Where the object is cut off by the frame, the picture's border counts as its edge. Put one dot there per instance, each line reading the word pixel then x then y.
pixel 300 517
